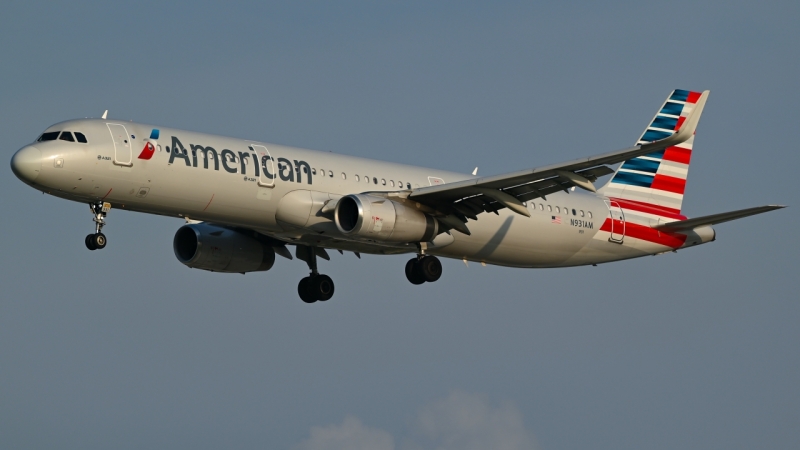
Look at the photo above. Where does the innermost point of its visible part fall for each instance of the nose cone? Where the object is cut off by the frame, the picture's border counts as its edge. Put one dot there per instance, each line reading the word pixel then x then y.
pixel 27 163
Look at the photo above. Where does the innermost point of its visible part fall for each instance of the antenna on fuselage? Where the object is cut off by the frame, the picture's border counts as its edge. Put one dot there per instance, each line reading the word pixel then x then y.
pixel 105 114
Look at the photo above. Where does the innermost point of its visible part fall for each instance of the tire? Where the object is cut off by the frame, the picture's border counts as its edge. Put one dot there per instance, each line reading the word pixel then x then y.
pixel 322 287
pixel 412 272
pixel 89 241
pixel 304 290
pixel 99 240
pixel 430 268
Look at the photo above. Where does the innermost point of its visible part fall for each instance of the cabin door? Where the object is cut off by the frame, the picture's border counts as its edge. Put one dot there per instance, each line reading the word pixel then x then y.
pixel 122 144
pixel 617 221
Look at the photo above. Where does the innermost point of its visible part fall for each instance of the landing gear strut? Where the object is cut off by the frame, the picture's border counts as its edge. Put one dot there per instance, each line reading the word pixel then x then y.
pixel 423 268
pixel 97 241
pixel 315 286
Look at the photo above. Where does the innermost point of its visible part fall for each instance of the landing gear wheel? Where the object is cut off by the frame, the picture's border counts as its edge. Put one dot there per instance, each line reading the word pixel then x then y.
pixel 412 272
pixel 315 287
pixel 304 291
pixel 99 241
pixel 430 268
pixel 322 287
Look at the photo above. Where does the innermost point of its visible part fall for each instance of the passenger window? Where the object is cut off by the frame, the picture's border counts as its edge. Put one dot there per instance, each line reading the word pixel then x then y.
pixel 357 178
pixel 541 207
pixel 383 181
pixel 392 182
pixel 590 214
pixel 66 136
pixel 81 138
pixel 366 178
pixel 581 213
pixel 330 173
pixel 374 180
pixel 400 184
pixel 313 171
pixel 50 136
pixel 558 209
pixel 549 208
pixel 344 177
pixel 573 213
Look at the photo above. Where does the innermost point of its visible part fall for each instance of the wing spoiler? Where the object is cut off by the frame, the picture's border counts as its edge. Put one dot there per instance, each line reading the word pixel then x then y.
pixel 688 224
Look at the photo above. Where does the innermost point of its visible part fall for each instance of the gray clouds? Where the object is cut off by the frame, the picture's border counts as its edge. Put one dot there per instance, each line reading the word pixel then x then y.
pixel 461 421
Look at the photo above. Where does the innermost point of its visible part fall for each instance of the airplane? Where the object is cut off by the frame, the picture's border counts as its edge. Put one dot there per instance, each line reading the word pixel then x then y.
pixel 244 201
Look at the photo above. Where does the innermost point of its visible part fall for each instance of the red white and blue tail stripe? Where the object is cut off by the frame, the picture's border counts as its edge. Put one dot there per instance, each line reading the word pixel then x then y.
pixel 657 181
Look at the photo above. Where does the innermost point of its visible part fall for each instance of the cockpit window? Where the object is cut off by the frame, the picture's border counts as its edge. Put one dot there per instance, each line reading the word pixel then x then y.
pixel 66 136
pixel 49 136
pixel 80 137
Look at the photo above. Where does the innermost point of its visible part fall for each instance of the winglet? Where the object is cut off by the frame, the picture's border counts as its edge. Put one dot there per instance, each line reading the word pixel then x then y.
pixel 688 127
pixel 105 115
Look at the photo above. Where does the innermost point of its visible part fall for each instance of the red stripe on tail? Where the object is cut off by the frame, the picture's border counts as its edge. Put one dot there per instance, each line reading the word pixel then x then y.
pixel 669 184
pixel 677 154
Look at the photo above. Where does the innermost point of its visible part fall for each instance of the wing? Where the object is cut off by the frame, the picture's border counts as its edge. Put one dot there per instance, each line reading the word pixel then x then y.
pixel 455 202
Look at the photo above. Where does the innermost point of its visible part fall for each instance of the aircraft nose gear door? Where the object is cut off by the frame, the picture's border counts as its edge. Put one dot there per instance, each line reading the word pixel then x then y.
pixel 122 144
pixel 266 177
pixel 617 222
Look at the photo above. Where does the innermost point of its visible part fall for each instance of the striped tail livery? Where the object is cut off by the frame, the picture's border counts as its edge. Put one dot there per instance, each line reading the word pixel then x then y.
pixel 656 182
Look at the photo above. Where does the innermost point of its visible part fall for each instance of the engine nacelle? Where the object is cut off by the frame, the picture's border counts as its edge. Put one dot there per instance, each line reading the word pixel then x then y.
pixel 376 218
pixel 218 249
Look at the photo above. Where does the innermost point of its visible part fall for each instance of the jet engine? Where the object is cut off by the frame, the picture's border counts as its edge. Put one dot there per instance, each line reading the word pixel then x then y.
pixel 218 249
pixel 374 218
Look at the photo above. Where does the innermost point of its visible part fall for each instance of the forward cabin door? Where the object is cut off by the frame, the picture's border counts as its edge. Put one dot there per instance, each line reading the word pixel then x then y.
pixel 267 173
pixel 123 156
pixel 617 221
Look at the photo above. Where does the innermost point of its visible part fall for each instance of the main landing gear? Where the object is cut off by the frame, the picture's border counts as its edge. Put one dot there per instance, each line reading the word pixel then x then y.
pixel 315 286
pixel 423 268
pixel 98 240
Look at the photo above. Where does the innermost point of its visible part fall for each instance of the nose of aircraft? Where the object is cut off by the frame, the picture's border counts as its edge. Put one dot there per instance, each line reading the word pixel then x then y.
pixel 27 163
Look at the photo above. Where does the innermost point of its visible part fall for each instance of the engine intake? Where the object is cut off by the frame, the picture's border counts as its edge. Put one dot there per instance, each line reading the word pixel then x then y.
pixel 218 249
pixel 380 219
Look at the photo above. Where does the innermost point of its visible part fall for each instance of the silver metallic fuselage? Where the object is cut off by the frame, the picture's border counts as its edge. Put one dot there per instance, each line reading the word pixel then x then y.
pixel 231 192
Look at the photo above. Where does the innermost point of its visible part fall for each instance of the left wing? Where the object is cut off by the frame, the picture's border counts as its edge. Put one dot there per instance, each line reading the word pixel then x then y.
pixel 455 202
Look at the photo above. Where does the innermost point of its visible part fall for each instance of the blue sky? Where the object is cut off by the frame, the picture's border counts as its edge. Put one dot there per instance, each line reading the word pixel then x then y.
pixel 127 348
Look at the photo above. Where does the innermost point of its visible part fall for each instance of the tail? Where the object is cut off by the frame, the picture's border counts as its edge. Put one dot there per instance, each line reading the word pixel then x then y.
pixel 657 181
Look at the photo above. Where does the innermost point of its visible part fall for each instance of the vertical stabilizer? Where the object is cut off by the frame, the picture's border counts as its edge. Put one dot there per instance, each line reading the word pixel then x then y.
pixel 658 180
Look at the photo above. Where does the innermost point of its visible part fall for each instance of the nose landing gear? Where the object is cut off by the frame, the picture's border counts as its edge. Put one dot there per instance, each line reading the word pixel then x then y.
pixel 97 241
pixel 423 268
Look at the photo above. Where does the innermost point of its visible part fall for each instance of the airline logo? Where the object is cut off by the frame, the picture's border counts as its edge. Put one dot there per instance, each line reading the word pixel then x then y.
pixel 149 148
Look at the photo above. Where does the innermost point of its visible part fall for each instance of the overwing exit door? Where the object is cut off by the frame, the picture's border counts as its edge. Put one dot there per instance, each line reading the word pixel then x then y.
pixel 617 222
pixel 123 156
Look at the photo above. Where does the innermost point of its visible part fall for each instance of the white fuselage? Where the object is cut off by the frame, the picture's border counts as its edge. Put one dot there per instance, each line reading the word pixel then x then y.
pixel 234 189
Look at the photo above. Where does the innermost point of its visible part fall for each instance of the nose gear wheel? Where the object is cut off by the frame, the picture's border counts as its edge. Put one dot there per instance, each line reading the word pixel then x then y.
pixel 97 241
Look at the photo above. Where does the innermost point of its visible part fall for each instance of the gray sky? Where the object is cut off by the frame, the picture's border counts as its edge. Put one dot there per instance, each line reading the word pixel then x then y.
pixel 127 348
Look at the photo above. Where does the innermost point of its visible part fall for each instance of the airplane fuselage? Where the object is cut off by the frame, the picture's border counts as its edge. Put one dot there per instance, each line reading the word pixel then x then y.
pixel 279 191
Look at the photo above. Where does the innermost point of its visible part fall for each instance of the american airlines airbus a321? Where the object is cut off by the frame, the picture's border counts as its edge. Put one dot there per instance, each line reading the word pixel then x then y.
pixel 245 201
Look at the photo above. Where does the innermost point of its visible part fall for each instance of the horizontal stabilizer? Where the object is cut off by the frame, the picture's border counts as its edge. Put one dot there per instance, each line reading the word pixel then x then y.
pixel 713 219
